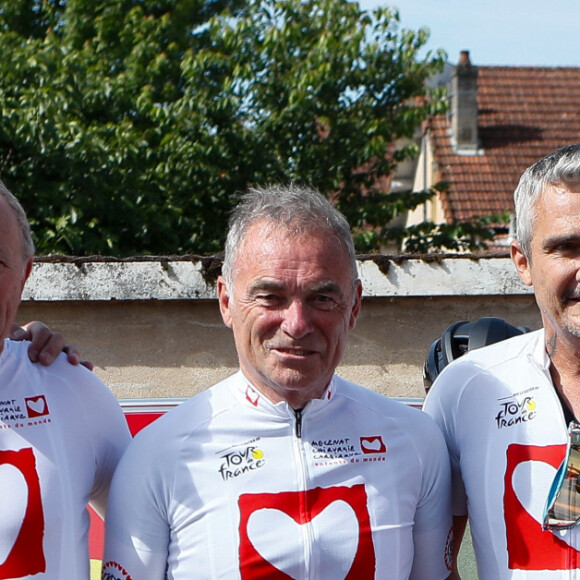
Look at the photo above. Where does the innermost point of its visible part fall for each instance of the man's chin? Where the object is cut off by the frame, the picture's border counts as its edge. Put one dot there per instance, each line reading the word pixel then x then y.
pixel 573 327
pixel 575 332
pixel 290 383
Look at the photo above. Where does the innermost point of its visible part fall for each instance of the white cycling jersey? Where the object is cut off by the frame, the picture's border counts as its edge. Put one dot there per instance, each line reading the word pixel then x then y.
pixel 506 434
pixel 229 485
pixel 61 436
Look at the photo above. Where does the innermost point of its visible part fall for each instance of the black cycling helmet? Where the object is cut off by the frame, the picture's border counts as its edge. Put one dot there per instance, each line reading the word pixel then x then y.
pixel 462 336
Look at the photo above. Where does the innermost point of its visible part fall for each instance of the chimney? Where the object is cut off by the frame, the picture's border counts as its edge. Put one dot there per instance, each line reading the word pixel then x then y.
pixel 464 106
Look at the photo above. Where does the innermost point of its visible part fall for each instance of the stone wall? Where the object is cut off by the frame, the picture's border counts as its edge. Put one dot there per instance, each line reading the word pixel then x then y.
pixel 153 329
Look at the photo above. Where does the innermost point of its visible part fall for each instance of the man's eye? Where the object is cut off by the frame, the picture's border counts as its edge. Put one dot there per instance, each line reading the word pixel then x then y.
pixel 568 247
pixel 267 298
pixel 324 302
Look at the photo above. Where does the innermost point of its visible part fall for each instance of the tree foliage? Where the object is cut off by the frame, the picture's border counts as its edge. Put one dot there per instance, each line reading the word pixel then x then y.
pixel 131 126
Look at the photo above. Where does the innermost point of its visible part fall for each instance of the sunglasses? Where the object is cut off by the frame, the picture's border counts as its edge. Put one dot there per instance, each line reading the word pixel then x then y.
pixel 562 508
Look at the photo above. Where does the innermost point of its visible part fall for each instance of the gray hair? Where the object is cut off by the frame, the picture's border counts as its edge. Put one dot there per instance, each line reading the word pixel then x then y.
pixel 294 207
pixel 561 167
pixel 20 214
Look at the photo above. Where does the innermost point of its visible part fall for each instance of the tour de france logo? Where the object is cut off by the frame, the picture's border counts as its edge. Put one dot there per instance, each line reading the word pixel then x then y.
pixel 513 411
pixel 239 461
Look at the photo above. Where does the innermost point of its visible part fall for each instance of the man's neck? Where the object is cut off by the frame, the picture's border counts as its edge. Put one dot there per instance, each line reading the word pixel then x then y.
pixel 565 371
pixel 296 398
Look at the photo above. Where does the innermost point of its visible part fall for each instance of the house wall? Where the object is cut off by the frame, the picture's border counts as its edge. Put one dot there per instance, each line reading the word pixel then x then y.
pixel 425 177
pixel 153 329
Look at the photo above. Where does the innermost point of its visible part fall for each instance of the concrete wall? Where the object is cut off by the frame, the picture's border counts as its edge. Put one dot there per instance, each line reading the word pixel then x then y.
pixel 152 326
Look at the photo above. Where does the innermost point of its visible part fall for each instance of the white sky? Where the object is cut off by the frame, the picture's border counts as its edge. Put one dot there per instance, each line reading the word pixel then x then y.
pixel 497 32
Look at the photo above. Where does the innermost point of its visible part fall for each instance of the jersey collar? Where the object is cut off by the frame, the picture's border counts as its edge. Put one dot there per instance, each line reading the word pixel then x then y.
pixel 252 397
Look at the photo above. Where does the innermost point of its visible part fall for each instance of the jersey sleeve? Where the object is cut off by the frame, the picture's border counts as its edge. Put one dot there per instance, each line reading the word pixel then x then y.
pixel 111 437
pixel 104 422
pixel 442 404
pixel 137 524
pixel 432 529
pixel 104 428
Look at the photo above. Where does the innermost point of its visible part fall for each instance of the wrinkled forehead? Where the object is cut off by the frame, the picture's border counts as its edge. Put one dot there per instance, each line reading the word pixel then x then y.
pixel 554 195
pixel 11 238
pixel 268 244
pixel 291 226
pixel 289 233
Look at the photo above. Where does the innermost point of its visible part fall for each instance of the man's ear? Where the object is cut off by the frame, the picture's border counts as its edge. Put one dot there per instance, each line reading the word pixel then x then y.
pixel 521 263
pixel 27 271
pixel 356 305
pixel 224 301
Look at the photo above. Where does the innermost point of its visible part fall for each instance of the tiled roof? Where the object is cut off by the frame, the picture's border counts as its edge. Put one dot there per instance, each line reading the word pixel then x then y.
pixel 523 114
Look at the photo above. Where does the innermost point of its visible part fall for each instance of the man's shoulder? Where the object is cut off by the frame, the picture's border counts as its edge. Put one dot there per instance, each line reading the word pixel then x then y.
pixel 63 397
pixel 500 369
pixel 418 431
pixel 192 415
pixel 409 418
pixel 59 374
pixel 494 359
pixel 507 349
pixel 363 395
pixel 158 448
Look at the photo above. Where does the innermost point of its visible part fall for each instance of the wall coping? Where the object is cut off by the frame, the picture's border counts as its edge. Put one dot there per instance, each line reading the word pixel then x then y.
pixel 63 278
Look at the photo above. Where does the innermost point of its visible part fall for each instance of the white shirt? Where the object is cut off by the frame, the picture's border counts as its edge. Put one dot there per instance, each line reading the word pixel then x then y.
pixel 61 436
pixel 230 485
pixel 506 435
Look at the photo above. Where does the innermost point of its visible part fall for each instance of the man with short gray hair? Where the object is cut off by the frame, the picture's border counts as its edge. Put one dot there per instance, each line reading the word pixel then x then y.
pixel 284 470
pixel 61 436
pixel 509 411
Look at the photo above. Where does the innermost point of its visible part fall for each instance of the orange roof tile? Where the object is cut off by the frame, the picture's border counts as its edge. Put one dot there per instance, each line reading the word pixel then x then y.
pixel 523 114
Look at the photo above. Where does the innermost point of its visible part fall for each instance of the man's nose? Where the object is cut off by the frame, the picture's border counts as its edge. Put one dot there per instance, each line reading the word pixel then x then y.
pixel 297 319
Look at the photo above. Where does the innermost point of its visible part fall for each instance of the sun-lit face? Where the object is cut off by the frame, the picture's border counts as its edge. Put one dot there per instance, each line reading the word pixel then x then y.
pixel 292 306
pixel 554 266
pixel 13 269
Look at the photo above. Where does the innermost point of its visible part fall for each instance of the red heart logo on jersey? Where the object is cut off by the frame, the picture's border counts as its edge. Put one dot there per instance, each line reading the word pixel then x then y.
pixel 340 542
pixel 13 502
pixel 22 522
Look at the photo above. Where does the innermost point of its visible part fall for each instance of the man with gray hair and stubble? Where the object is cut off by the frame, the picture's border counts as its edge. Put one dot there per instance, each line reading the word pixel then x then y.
pixel 61 435
pixel 509 411
pixel 284 470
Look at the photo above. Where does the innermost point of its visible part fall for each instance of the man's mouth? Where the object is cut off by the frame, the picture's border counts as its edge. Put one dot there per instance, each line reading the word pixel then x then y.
pixel 571 297
pixel 293 351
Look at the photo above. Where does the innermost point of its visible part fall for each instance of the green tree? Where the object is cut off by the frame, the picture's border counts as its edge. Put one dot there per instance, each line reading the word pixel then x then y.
pixel 131 126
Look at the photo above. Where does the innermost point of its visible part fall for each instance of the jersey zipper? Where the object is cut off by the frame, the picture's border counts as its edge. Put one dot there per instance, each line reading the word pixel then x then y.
pixel 302 468
pixel 298 414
